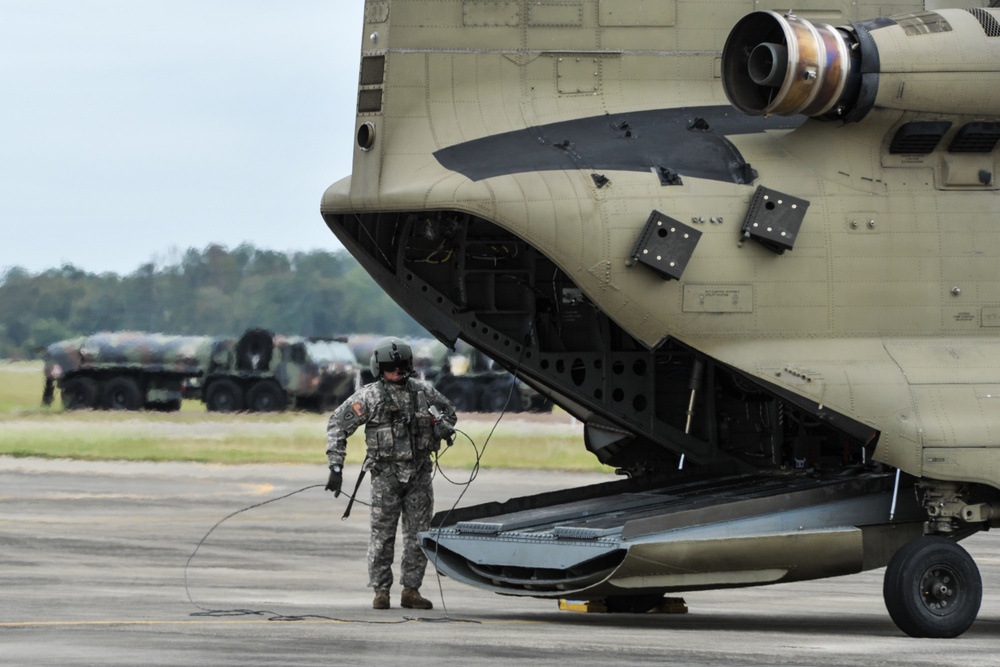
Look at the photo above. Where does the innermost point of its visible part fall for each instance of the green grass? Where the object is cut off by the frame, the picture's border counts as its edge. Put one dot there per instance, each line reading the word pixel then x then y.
pixel 21 385
pixel 28 429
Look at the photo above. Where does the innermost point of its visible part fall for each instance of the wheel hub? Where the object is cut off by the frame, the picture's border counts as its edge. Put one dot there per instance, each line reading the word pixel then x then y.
pixel 939 588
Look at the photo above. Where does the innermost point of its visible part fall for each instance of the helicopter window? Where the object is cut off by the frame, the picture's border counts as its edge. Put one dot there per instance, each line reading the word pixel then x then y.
pixel 923 23
pixel 918 137
pixel 979 137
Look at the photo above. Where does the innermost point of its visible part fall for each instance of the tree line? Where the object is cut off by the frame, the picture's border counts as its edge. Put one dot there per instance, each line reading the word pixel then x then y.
pixel 214 292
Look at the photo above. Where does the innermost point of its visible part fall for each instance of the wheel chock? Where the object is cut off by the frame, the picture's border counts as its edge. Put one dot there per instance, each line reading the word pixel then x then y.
pixel 665 606
pixel 585 606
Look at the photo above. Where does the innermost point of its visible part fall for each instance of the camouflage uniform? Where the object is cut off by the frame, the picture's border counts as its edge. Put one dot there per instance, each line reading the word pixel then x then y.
pixel 400 437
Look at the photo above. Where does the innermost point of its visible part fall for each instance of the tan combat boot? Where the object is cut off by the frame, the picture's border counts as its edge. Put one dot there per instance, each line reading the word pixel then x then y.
pixel 381 600
pixel 411 599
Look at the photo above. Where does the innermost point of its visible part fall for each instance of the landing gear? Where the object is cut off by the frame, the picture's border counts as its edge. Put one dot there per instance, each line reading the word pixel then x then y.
pixel 932 588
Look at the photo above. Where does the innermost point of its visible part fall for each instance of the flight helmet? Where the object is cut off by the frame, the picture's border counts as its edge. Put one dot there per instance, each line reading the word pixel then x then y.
pixel 389 354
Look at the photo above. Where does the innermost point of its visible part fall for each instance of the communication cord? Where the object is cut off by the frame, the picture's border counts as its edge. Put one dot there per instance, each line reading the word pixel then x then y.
pixel 475 467
pixel 275 616
pixel 272 615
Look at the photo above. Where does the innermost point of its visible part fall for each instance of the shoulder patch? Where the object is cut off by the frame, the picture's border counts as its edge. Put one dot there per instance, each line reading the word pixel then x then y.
pixel 359 408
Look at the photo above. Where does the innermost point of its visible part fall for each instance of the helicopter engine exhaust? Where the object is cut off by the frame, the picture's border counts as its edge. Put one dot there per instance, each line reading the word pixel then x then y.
pixel 774 64
pixel 943 61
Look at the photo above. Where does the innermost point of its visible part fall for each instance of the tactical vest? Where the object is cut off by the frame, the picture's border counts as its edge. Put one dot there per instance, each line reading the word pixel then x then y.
pixel 399 428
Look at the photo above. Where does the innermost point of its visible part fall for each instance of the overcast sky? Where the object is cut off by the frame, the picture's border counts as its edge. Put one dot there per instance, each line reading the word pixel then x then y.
pixel 134 129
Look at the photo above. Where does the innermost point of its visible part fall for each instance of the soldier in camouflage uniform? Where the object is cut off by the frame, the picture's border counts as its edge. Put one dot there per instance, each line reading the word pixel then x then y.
pixel 401 432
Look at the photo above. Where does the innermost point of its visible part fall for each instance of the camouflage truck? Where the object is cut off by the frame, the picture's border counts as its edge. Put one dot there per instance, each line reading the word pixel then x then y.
pixel 258 372
pixel 263 372
pixel 125 370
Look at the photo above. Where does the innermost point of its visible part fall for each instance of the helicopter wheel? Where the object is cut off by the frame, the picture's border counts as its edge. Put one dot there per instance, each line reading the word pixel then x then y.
pixel 932 588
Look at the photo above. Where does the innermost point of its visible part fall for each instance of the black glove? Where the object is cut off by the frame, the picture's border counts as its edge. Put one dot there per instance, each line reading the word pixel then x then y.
pixel 336 481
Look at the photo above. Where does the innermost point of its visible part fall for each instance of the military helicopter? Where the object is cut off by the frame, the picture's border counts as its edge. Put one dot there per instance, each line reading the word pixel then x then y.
pixel 756 253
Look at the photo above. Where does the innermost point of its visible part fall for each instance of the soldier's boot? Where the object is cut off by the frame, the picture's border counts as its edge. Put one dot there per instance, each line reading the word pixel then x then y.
pixel 411 599
pixel 381 600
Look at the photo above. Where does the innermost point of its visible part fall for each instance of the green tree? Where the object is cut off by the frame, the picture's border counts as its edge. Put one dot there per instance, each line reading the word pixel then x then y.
pixel 213 291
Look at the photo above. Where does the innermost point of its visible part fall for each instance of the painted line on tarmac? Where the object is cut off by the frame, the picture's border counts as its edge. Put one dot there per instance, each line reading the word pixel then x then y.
pixel 310 621
pixel 245 488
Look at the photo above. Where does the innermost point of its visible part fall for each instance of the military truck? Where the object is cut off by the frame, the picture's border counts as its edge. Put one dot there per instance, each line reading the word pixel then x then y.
pixel 263 372
pixel 258 372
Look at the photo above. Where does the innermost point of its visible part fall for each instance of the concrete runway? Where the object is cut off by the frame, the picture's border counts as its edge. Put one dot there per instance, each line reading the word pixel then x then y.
pixel 93 573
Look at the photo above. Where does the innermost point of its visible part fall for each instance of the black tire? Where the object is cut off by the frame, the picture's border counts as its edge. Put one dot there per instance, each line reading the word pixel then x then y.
pixel 266 396
pixel 464 396
pixel 932 588
pixel 122 393
pixel 632 604
pixel 502 395
pixel 79 393
pixel 224 396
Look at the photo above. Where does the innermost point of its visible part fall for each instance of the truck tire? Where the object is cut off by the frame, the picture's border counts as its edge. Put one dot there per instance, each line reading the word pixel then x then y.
pixel 462 392
pixel 122 393
pixel 224 396
pixel 502 395
pixel 79 393
pixel 266 396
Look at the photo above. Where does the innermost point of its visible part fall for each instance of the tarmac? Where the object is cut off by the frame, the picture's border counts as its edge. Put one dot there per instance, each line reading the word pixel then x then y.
pixel 117 563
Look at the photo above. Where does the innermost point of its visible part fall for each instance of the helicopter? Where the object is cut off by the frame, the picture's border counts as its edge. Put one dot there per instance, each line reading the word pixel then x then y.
pixel 753 251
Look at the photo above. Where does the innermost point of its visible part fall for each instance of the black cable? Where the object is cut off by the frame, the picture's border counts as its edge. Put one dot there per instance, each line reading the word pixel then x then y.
pixel 475 467
pixel 272 615
pixel 235 612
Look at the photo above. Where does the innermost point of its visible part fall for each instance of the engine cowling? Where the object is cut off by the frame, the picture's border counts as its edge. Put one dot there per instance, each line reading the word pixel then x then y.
pixel 945 61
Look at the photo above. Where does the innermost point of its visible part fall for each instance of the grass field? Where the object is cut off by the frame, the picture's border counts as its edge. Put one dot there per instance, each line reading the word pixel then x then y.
pixel 551 442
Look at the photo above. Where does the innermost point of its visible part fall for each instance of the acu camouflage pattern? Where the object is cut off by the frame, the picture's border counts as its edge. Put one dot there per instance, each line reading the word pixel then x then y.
pixel 399 436
pixel 416 506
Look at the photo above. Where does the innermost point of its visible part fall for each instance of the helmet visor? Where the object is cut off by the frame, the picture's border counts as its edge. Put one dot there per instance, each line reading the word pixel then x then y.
pixel 394 365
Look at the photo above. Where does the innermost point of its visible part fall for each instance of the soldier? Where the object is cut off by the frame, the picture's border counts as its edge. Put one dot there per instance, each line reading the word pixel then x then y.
pixel 405 420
